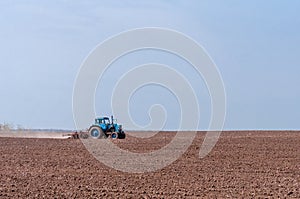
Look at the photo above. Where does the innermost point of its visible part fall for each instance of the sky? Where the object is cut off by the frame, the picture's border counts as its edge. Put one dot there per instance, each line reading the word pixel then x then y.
pixel 255 45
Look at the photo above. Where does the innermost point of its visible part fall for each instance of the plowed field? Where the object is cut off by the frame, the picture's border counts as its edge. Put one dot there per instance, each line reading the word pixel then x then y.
pixel 245 164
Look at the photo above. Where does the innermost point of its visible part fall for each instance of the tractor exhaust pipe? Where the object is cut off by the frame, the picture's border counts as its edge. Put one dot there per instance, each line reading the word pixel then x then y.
pixel 112 119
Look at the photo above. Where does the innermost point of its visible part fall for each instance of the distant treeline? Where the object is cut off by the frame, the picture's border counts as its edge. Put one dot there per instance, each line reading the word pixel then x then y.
pixel 7 126
pixel 11 127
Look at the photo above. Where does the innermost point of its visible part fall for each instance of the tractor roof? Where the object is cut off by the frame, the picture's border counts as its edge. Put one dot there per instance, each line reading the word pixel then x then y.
pixel 103 118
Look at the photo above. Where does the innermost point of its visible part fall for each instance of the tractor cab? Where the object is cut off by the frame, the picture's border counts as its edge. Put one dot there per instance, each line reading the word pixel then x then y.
pixel 104 123
pixel 102 120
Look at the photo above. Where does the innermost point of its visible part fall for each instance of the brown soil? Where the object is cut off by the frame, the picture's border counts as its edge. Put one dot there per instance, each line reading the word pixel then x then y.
pixel 245 164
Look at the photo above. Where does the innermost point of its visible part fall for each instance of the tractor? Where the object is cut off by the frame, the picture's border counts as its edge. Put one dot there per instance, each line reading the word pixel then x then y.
pixel 104 127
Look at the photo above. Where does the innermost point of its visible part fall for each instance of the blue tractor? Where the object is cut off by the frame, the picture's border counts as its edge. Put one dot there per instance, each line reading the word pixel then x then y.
pixel 104 127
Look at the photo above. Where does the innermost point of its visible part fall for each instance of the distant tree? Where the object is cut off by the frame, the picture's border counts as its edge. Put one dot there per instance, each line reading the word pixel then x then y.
pixel 19 127
pixel 7 126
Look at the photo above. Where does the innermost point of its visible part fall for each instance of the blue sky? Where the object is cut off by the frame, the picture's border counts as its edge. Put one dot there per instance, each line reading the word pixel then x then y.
pixel 255 44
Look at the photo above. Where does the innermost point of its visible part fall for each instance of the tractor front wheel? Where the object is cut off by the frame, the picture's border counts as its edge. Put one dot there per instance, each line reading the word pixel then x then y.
pixel 114 135
pixel 121 135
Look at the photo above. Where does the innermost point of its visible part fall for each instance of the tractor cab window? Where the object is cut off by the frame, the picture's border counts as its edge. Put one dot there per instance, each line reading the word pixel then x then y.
pixel 102 121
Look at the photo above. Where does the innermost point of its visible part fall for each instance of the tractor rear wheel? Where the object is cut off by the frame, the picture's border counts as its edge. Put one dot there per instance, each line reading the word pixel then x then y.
pixel 96 132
